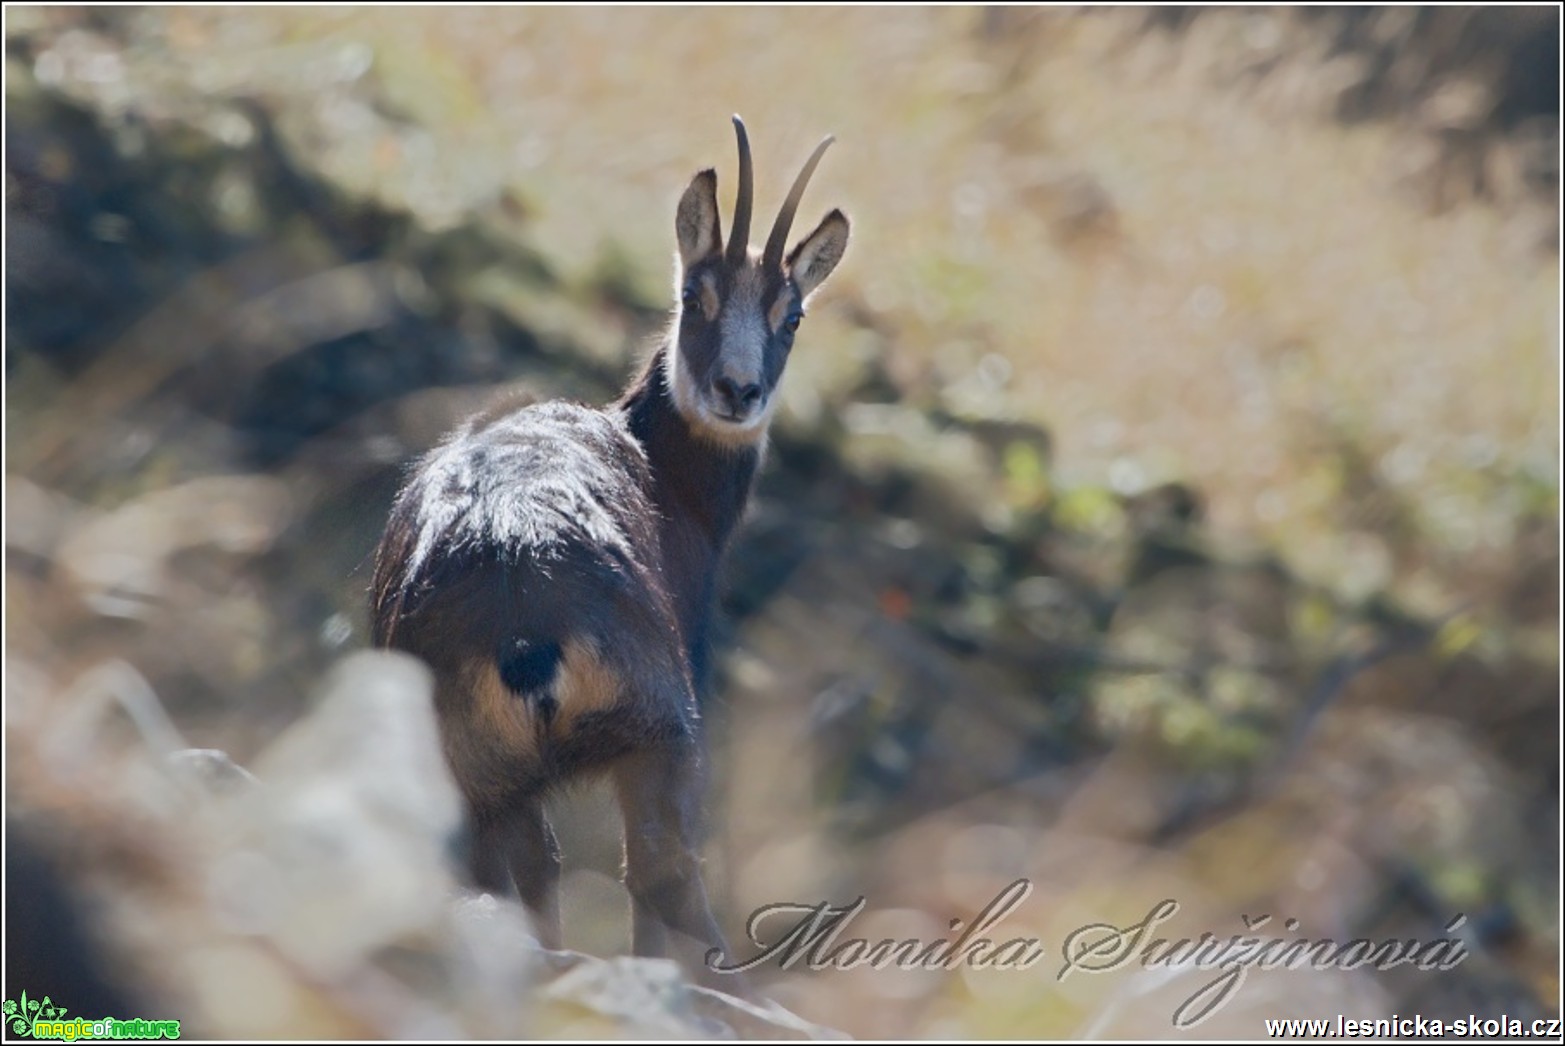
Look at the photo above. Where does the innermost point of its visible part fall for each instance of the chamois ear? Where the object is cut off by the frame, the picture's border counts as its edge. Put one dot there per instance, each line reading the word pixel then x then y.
pixel 696 225
pixel 818 253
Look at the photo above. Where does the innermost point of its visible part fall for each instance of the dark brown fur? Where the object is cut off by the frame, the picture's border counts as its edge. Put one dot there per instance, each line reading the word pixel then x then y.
pixel 557 567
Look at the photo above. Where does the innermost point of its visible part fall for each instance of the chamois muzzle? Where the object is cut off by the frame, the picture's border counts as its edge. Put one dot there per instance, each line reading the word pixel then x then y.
pixel 737 401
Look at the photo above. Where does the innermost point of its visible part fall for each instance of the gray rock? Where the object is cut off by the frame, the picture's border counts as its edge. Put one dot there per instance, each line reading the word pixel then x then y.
pixel 648 996
pixel 344 851
pixel 495 964
pixel 654 998
pixel 211 770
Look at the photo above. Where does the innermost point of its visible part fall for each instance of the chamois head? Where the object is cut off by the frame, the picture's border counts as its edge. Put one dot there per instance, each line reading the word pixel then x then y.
pixel 738 310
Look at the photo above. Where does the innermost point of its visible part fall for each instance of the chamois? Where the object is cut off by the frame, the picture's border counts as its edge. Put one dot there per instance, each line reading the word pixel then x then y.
pixel 556 566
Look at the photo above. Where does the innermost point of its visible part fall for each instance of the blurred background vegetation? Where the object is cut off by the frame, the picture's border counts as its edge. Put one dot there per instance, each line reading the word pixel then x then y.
pixel 1164 501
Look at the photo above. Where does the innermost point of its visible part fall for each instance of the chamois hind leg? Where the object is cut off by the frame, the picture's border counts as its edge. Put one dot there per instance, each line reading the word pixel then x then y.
pixel 660 792
pixel 514 846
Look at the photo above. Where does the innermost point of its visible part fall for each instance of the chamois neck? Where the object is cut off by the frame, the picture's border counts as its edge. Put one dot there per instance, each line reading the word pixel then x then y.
pixel 697 482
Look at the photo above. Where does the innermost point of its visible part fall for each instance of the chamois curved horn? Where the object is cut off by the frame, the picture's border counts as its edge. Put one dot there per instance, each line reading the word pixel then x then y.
pixel 778 241
pixel 739 237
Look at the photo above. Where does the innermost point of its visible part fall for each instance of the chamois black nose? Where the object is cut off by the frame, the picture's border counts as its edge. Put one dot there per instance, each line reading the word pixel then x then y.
pixel 738 399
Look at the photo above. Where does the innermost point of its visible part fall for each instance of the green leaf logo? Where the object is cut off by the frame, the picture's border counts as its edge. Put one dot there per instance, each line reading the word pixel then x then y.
pixel 18 1013
pixel 22 1015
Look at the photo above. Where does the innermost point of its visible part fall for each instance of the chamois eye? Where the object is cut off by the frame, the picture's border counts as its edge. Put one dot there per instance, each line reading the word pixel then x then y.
pixel 689 299
pixel 791 324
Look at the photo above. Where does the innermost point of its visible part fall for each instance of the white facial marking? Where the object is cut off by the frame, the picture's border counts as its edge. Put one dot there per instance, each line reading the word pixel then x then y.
pixel 676 373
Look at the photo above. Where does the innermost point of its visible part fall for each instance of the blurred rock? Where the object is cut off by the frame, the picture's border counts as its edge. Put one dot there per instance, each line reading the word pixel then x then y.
pixel 757 1021
pixel 35 517
pixel 212 770
pixel 121 558
pixel 652 997
pixel 494 962
pixel 344 851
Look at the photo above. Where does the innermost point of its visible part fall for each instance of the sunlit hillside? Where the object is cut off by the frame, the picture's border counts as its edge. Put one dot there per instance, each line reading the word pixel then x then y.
pixel 1167 253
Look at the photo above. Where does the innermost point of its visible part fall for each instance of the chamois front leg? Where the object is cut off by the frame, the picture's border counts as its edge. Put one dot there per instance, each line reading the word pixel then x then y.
pixel 513 845
pixel 660 791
